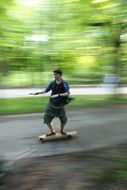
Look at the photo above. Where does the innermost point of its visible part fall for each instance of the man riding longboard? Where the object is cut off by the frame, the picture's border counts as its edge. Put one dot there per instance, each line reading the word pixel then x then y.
pixel 58 99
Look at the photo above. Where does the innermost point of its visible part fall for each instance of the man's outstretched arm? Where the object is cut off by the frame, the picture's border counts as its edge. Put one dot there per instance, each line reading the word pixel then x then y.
pixel 43 91
pixel 37 93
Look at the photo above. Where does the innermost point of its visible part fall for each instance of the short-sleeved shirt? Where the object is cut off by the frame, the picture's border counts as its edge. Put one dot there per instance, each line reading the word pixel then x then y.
pixel 58 89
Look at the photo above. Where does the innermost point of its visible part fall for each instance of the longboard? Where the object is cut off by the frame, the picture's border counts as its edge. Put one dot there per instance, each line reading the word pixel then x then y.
pixel 58 136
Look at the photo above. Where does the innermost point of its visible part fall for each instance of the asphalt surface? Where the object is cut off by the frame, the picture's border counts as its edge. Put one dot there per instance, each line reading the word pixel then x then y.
pixel 97 128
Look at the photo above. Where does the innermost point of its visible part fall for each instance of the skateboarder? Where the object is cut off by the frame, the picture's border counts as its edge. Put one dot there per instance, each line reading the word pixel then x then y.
pixel 59 97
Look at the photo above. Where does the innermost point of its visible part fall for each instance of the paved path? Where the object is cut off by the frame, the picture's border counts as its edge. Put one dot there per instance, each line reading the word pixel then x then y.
pixel 17 93
pixel 97 127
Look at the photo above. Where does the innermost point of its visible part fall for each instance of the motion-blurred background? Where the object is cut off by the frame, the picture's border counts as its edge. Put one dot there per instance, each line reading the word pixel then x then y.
pixel 87 39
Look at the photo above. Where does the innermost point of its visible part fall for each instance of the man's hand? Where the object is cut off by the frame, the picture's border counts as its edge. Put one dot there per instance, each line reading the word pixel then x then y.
pixel 55 96
pixel 36 93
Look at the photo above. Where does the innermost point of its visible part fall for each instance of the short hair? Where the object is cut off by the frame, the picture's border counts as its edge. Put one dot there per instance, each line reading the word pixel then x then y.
pixel 58 71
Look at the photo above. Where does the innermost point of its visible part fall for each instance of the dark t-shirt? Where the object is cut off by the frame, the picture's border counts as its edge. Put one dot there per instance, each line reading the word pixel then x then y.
pixel 58 89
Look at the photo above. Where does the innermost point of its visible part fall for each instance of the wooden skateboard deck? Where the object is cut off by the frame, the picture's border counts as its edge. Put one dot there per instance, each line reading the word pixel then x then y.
pixel 58 136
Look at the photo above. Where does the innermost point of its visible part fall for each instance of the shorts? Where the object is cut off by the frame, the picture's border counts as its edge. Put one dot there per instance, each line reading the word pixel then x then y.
pixel 52 112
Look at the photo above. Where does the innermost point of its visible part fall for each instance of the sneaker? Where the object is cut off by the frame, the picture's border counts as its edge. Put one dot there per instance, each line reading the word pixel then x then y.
pixel 63 133
pixel 50 134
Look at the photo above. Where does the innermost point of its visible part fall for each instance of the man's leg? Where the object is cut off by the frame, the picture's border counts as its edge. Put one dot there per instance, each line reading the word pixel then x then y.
pixel 63 119
pixel 48 117
pixel 52 130
pixel 62 129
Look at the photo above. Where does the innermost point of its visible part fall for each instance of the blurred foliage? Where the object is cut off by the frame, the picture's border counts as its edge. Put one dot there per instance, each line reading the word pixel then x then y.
pixel 85 38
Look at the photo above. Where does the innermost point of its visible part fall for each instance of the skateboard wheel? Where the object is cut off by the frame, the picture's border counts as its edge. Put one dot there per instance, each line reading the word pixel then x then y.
pixel 42 140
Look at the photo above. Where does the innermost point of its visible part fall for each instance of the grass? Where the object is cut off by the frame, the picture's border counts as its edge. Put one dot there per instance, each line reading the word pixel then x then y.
pixel 113 176
pixel 38 104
